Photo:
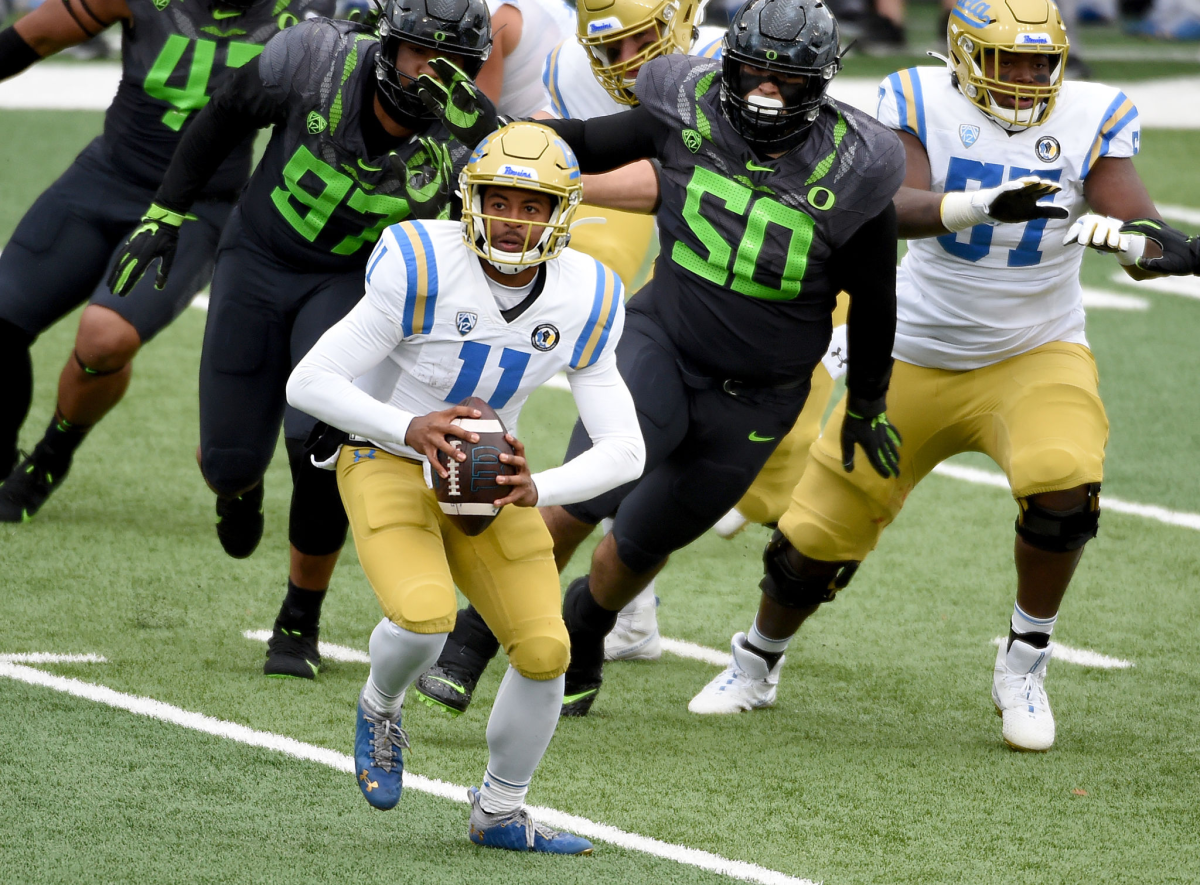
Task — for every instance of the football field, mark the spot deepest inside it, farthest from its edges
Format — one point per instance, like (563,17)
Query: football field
(139,741)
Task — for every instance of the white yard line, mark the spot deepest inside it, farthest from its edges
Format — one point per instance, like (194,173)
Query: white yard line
(1186,287)
(327,649)
(1186,214)
(153,709)
(691,650)
(1080,656)
(44,657)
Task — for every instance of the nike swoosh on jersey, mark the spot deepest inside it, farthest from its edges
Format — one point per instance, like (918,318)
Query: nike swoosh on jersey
(220,14)
(750,164)
(754,437)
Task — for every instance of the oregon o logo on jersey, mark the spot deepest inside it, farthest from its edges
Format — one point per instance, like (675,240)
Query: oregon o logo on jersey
(544,337)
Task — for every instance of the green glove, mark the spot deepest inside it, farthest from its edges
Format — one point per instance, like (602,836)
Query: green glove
(458,103)
(867,425)
(1181,253)
(427,176)
(155,237)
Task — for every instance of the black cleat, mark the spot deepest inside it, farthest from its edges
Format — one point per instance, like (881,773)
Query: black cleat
(291,653)
(578,697)
(240,523)
(28,487)
(445,690)
(587,625)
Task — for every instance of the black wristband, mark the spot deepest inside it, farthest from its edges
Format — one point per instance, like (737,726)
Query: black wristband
(15,54)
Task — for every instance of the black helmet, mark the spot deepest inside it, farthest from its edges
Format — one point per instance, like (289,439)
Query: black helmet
(460,27)
(797,42)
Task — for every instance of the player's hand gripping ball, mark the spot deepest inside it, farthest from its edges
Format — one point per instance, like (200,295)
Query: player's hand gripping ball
(467,495)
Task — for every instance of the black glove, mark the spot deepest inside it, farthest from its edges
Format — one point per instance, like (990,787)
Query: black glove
(1021,204)
(866,424)
(1181,253)
(155,237)
(427,178)
(458,103)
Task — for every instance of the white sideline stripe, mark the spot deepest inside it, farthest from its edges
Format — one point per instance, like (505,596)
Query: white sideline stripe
(1081,656)
(327,649)
(1187,287)
(153,709)
(1149,511)
(1102,299)
(45,657)
(1186,214)
(682,649)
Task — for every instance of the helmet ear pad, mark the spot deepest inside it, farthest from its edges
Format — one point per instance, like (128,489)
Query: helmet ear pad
(794,44)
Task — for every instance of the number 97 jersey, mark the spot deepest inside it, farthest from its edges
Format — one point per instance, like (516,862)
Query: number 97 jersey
(972,298)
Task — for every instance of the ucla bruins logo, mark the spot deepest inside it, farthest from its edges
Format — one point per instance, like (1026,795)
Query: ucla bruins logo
(691,140)
(544,337)
(1047,149)
(316,123)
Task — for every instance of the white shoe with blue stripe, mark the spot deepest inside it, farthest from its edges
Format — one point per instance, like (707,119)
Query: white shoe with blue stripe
(746,684)
(1019,692)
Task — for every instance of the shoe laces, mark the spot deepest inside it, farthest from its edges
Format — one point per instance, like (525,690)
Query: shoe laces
(521,816)
(1030,688)
(387,740)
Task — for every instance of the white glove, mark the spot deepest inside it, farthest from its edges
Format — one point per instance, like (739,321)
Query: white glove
(1104,235)
(1014,201)
(835,360)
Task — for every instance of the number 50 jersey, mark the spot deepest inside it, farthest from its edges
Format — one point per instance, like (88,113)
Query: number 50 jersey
(454,340)
(973,298)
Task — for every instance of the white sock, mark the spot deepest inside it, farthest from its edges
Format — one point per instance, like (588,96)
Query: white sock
(398,657)
(522,722)
(1026,623)
(775,646)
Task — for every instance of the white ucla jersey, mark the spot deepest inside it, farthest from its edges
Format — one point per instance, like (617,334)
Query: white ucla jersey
(574,91)
(522,95)
(972,298)
(455,342)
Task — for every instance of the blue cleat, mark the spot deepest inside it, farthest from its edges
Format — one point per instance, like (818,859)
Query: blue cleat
(378,764)
(516,831)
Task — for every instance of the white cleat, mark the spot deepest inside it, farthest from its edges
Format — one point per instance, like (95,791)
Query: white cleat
(730,524)
(1018,689)
(746,684)
(635,637)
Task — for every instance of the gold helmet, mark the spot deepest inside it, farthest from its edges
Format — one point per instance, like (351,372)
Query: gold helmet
(979,30)
(531,157)
(602,25)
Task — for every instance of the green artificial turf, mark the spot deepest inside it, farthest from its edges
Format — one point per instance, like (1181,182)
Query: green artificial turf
(882,762)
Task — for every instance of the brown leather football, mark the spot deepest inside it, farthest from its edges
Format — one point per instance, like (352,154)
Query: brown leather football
(466,496)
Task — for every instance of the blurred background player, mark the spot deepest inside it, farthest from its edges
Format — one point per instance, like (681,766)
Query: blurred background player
(991,354)
(719,349)
(524,32)
(535,309)
(60,252)
(343,163)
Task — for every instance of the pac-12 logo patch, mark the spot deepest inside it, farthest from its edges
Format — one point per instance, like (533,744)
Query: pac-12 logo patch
(1047,148)
(544,337)
(465,321)
(315,123)
(691,140)
(968,133)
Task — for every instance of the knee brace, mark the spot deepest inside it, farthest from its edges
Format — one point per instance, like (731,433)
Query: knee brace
(783,584)
(1060,531)
(317,521)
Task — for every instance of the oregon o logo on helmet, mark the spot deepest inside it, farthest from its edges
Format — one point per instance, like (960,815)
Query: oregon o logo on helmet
(772,55)
(439,36)
(821,198)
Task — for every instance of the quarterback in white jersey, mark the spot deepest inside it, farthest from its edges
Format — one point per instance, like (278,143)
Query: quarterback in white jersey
(1003,160)
(494,307)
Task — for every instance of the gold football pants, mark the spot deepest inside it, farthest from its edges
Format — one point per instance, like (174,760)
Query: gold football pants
(625,242)
(1037,415)
(413,557)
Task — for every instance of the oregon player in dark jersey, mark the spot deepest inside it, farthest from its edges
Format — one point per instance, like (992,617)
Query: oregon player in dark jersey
(353,151)
(175,53)
(773,197)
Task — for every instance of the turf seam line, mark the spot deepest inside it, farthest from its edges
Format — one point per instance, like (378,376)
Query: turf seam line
(705,860)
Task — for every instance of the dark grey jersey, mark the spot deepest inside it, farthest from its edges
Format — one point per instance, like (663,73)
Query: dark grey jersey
(174,54)
(750,246)
(318,198)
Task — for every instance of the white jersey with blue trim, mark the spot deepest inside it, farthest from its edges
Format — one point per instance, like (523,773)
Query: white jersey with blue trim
(522,95)
(973,298)
(574,91)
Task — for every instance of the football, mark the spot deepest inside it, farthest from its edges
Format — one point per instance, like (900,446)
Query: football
(466,495)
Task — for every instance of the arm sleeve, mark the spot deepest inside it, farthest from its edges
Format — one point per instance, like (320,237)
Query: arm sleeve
(866,268)
(618,453)
(322,384)
(242,104)
(604,143)
(15,54)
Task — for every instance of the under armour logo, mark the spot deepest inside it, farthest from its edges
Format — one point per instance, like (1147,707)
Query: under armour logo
(364,455)
(368,784)
(839,354)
